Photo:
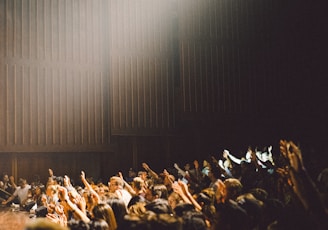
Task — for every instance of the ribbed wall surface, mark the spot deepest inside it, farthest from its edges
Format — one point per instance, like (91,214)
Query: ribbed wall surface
(227,62)
(53,85)
(75,72)
(142,65)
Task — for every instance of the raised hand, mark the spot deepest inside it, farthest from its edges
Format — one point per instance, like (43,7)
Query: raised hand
(295,157)
(145,166)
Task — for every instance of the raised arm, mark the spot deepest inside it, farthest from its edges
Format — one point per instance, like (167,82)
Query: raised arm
(302,184)
(63,195)
(150,171)
(127,186)
(94,194)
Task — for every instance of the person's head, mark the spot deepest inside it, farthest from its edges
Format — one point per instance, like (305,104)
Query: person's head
(138,184)
(22,182)
(214,174)
(105,212)
(233,188)
(132,173)
(38,191)
(137,208)
(193,220)
(5,177)
(119,208)
(159,206)
(115,183)
(230,216)
(165,221)
(77,225)
(156,191)
(99,224)
(143,175)
(253,207)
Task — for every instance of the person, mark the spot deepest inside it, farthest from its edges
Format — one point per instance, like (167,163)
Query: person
(115,185)
(7,184)
(105,212)
(22,192)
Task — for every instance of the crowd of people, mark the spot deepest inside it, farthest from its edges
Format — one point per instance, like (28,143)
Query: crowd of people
(260,190)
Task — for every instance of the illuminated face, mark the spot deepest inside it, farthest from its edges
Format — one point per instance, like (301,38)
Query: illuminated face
(113,185)
(5,178)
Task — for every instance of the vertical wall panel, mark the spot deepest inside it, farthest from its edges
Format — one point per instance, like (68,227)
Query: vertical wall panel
(239,33)
(52,73)
(141,47)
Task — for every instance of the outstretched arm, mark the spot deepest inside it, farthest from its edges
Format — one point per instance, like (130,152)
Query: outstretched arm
(150,171)
(127,186)
(89,187)
(302,184)
(63,195)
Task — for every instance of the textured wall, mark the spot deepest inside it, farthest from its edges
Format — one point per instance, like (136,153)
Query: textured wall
(102,76)
(54,87)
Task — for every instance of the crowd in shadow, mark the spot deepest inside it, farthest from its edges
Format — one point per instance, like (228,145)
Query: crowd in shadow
(261,190)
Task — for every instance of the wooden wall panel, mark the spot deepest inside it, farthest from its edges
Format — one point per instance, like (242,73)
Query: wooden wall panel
(54,83)
(142,73)
(228,55)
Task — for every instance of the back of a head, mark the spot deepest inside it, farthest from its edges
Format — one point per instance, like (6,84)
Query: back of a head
(117,180)
(193,220)
(230,216)
(160,191)
(233,188)
(105,212)
(162,221)
(78,225)
(98,224)
(159,206)
(119,208)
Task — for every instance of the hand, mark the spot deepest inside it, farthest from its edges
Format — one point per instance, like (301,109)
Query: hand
(225,154)
(51,173)
(62,193)
(177,188)
(82,175)
(292,155)
(183,186)
(67,181)
(80,202)
(145,166)
(120,175)
(295,157)
(165,172)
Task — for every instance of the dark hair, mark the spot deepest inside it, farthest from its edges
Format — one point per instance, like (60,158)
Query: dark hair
(59,180)
(119,208)
(105,212)
(159,206)
(78,225)
(98,224)
(160,191)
